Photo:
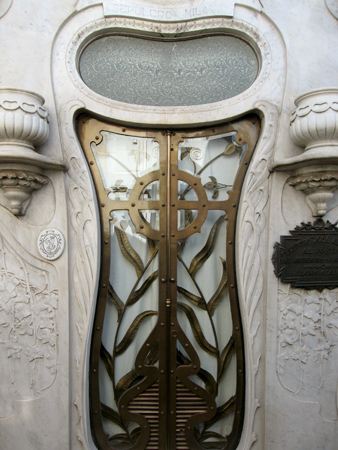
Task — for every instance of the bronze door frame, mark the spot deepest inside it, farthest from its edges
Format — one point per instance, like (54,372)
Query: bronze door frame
(170,377)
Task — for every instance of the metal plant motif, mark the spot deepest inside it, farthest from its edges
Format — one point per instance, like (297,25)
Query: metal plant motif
(170,397)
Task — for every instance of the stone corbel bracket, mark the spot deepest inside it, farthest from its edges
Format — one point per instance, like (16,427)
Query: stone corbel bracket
(24,126)
(314,126)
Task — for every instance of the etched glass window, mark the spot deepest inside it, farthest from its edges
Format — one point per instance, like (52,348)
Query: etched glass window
(168,73)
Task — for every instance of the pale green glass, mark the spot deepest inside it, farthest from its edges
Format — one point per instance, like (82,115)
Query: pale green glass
(168,73)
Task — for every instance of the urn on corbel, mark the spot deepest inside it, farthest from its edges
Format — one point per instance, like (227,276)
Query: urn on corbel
(24,125)
(314,126)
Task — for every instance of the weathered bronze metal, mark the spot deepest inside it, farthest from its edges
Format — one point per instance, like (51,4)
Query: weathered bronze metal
(159,395)
(308,258)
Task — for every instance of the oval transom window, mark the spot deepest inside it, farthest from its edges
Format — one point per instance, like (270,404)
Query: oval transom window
(168,73)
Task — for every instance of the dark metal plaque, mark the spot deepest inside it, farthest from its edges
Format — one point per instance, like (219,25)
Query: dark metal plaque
(308,258)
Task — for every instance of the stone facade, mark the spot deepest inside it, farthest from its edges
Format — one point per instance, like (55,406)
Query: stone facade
(49,230)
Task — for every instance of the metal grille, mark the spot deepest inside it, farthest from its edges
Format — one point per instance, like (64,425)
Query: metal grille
(184,388)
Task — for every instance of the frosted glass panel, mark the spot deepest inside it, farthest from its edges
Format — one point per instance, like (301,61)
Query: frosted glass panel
(158,73)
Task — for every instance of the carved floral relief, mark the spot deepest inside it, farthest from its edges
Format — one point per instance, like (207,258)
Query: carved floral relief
(28,327)
(307,351)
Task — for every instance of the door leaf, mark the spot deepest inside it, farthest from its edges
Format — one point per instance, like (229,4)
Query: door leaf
(196,329)
(129,336)
(136,295)
(213,302)
(128,252)
(125,382)
(225,357)
(207,250)
(112,415)
(197,301)
(108,361)
(153,248)
(221,411)
(117,302)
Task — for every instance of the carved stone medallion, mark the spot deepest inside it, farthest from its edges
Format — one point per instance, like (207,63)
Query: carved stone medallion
(51,244)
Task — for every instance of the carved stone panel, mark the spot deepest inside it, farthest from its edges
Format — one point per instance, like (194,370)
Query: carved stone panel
(28,325)
(307,350)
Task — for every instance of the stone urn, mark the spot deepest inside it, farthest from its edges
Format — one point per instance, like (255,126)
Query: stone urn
(314,124)
(23,119)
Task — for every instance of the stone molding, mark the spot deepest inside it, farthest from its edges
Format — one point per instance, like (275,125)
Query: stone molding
(24,125)
(73,97)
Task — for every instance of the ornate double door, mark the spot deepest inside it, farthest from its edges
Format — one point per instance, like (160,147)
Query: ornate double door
(167,354)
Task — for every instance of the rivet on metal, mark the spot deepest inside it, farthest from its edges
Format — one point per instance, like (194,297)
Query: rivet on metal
(123,129)
(140,367)
(171,412)
(97,138)
(237,328)
(106,242)
(163,173)
(98,328)
(196,388)
(173,235)
(186,345)
(133,204)
(141,183)
(162,371)
(163,204)
(204,205)
(103,205)
(104,285)
(163,280)
(172,280)
(95,411)
(148,345)
(94,370)
(173,205)
(91,163)
(230,242)
(171,371)
(162,324)
(174,174)
(234,205)
(141,226)
(232,285)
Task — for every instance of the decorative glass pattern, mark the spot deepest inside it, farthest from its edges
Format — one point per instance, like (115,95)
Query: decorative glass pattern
(168,73)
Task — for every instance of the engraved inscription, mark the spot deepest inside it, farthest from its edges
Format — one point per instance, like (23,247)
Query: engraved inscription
(124,9)
(309,257)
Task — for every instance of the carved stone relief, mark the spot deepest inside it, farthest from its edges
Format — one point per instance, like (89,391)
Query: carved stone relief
(28,324)
(307,350)
(251,228)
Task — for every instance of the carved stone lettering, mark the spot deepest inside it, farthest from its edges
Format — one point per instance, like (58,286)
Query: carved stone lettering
(124,9)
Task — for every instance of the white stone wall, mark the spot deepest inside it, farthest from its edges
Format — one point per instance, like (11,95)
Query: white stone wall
(46,306)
